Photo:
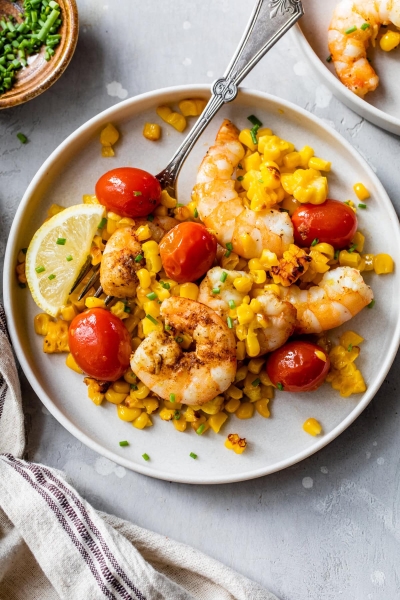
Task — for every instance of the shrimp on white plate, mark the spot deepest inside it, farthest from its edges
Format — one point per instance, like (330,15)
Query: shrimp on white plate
(340,295)
(221,208)
(356,23)
(196,376)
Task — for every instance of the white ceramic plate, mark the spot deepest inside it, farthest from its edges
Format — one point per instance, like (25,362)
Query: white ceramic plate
(381,107)
(274,443)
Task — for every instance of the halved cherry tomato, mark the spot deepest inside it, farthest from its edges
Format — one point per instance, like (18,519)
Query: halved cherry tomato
(187,252)
(100,344)
(129,192)
(298,366)
(332,222)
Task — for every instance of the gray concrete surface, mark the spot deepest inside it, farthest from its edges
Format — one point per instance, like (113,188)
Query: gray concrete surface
(325,529)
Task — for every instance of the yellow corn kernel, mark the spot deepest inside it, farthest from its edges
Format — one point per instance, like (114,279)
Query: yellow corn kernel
(312,427)
(152,131)
(89,199)
(160,211)
(192,107)
(142,421)
(167,200)
(358,241)
(247,140)
(274,288)
(144,278)
(142,392)
(241,373)
(114,397)
(265,380)
(262,407)
(151,307)
(181,423)
(243,284)
(292,160)
(252,344)
(259,276)
(252,162)
(361,191)
(109,135)
(71,363)
(125,413)
(95,396)
(268,259)
(235,443)
(107,151)
(121,387)
(267,392)
(111,226)
(245,314)
(54,210)
(390,40)
(232,405)
(240,350)
(143,233)
(326,249)
(230,262)
(306,185)
(189,290)
(343,357)
(321,355)
(92,302)
(319,164)
(306,154)
(255,365)
(119,310)
(164,112)
(125,222)
(151,247)
(130,377)
(383,263)
(350,338)
(41,323)
(177,121)
(213,406)
(151,405)
(166,414)
(56,339)
(368,262)
(135,342)
(254,264)
(216,421)
(148,326)
(245,410)
(349,259)
(234,392)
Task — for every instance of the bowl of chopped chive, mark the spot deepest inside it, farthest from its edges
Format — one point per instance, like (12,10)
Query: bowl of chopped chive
(37,41)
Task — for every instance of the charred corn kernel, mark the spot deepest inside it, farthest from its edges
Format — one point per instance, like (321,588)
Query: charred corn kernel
(252,344)
(125,413)
(56,339)
(349,259)
(243,284)
(142,421)
(144,278)
(350,338)
(383,263)
(72,364)
(181,423)
(246,139)
(114,397)
(265,380)
(306,154)
(89,199)
(240,350)
(358,241)
(245,410)
(234,392)
(361,191)
(213,406)
(107,151)
(121,387)
(312,427)
(130,377)
(255,365)
(216,421)
(167,200)
(152,131)
(54,210)
(143,233)
(321,355)
(319,164)
(151,405)
(369,262)
(189,290)
(235,443)
(232,405)
(262,407)
(109,135)
(390,40)
(166,415)
(252,162)
(118,309)
(245,314)
(41,323)
(259,276)
(92,302)
(192,107)
(135,342)
(241,373)
(326,249)
(292,160)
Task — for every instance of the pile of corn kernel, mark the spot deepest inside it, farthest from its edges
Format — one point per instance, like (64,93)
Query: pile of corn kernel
(191,107)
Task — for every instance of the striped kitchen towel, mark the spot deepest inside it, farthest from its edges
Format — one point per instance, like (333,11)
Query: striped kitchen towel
(54,545)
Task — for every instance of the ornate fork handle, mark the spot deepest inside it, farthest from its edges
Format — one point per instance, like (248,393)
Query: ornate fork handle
(270,20)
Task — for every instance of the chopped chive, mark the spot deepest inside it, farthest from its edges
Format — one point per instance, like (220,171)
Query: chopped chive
(230,323)
(371,304)
(61,241)
(229,246)
(351,30)
(179,340)
(253,133)
(329,59)
(314,242)
(224,277)
(260,180)
(102,223)
(134,387)
(179,205)
(69,258)
(124,443)
(254,120)
(336,255)
(127,309)
(22,285)
(196,213)
(256,382)
(362,206)
(145,456)
(365,26)
(240,178)
(349,347)
(40,269)
(52,276)
(165,285)
(167,327)
(215,290)
(152,319)
(177,415)
(151,296)
(50,21)
(22,138)
(193,455)
(352,248)
(139,258)
(228,253)
(150,218)
(232,304)
(200,429)
(172,397)
(279,386)
(137,193)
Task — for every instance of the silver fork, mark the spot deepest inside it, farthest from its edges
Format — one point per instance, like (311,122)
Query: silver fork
(270,20)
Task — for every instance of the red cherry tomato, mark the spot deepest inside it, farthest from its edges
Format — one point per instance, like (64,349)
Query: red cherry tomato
(297,368)
(187,252)
(129,192)
(332,222)
(100,344)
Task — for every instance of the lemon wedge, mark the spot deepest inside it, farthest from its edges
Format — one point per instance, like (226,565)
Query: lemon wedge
(57,253)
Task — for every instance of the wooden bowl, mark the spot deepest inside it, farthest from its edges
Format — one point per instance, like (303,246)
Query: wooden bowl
(39,75)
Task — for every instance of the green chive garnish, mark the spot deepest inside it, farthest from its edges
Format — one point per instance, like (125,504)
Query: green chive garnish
(150,218)
(102,223)
(139,258)
(315,242)
(256,382)
(177,415)
(193,455)
(152,319)
(196,213)
(254,120)
(124,443)
(167,327)
(215,290)
(224,277)
(40,269)
(61,241)
(351,30)
(52,276)
(69,258)
(232,304)
(362,206)
(230,323)
(137,193)
(200,429)
(165,285)
(179,340)
(349,347)
(336,255)
(253,133)
(172,397)
(329,59)
(179,205)
(279,386)
(22,138)
(365,26)
(261,181)
(371,304)
(151,296)
(352,248)
(145,456)
(229,246)
(240,178)
(127,309)
(134,387)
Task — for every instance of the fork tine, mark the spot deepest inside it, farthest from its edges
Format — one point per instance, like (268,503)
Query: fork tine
(85,270)
(108,300)
(99,292)
(91,282)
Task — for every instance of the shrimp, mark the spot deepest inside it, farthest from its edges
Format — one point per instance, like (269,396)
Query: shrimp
(221,208)
(354,24)
(118,266)
(196,376)
(341,294)
(275,318)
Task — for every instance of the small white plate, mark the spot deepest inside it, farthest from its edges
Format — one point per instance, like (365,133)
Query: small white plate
(275,443)
(381,107)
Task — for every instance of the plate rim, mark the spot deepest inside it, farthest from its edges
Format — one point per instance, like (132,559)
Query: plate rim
(358,105)
(9,285)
